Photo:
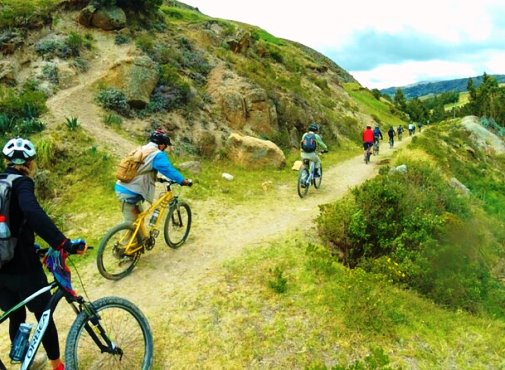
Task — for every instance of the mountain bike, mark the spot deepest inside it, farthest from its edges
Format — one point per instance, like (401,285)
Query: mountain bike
(121,247)
(307,176)
(391,142)
(368,154)
(109,333)
(376,147)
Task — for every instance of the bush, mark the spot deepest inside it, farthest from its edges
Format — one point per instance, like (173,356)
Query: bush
(115,100)
(20,110)
(413,229)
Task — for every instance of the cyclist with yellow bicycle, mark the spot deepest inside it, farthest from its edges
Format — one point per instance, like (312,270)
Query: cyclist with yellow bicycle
(143,186)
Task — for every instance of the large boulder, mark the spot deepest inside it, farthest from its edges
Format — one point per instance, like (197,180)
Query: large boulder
(108,19)
(251,152)
(136,77)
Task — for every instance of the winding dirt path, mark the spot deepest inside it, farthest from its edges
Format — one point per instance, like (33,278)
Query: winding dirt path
(220,231)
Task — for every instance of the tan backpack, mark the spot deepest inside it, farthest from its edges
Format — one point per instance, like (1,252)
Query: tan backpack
(128,166)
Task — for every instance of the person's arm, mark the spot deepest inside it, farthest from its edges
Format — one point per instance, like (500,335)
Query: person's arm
(320,142)
(36,217)
(162,164)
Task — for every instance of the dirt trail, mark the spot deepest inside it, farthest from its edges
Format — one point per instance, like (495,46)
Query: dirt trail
(223,231)
(220,231)
(78,101)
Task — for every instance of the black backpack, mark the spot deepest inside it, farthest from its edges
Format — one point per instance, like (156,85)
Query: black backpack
(309,143)
(7,242)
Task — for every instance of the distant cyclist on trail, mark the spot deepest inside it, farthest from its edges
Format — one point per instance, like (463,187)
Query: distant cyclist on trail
(399,130)
(377,134)
(311,141)
(143,186)
(368,139)
(391,134)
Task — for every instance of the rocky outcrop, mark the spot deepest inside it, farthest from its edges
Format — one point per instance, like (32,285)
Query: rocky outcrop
(251,152)
(245,107)
(8,72)
(136,77)
(240,43)
(108,19)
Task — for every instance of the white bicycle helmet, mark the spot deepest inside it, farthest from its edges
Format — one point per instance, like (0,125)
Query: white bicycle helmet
(19,150)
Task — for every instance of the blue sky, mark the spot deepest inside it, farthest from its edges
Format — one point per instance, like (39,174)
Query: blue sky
(385,43)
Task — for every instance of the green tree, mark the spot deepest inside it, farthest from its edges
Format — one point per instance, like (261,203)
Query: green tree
(400,100)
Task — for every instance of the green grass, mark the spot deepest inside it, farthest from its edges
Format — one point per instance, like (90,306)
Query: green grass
(265,36)
(15,13)
(248,184)
(369,105)
(324,316)
(183,15)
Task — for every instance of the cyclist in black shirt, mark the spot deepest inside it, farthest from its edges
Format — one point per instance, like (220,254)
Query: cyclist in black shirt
(24,275)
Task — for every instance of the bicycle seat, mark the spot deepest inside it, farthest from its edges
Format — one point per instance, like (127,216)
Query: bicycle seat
(306,161)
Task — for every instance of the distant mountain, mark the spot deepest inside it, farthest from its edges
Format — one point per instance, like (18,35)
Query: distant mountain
(438,87)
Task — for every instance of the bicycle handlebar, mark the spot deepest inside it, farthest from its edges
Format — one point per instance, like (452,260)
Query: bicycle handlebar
(171,182)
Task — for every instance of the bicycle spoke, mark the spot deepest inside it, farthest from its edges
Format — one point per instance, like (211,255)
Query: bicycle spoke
(128,333)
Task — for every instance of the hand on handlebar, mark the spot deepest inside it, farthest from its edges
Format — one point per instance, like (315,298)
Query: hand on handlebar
(187,182)
(76,246)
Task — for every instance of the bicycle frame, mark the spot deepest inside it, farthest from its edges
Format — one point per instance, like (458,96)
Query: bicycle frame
(162,203)
(78,304)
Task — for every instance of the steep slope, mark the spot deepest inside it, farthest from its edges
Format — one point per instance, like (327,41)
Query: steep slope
(79,101)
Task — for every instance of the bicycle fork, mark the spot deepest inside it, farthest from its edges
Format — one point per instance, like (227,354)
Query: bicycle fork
(96,330)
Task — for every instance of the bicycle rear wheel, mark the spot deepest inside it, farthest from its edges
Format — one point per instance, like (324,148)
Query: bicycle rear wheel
(177,225)
(317,180)
(112,262)
(120,322)
(303,185)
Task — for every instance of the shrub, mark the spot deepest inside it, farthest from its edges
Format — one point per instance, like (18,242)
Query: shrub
(72,123)
(50,73)
(414,229)
(112,119)
(115,100)
(121,39)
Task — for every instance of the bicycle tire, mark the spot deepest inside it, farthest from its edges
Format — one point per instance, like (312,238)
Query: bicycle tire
(177,225)
(124,324)
(376,149)
(107,260)
(318,180)
(302,184)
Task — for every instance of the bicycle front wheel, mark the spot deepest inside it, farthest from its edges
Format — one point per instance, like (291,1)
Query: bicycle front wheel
(177,225)
(317,180)
(112,261)
(120,323)
(303,184)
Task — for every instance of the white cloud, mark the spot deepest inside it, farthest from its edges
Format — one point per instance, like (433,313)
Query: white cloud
(468,26)
(410,72)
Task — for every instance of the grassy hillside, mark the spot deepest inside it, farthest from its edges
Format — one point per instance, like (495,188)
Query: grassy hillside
(289,303)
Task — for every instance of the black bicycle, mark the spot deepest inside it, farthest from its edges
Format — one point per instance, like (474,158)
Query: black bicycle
(109,333)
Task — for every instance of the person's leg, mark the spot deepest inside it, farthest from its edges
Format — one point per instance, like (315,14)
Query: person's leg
(50,341)
(15,319)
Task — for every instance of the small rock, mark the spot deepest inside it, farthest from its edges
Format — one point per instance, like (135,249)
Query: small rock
(227,176)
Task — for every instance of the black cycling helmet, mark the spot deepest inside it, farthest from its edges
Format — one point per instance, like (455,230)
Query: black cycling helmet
(313,127)
(19,150)
(160,137)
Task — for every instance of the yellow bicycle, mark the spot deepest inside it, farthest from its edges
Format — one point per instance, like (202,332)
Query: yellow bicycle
(120,249)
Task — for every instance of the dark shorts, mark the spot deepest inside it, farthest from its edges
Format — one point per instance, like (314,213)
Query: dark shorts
(15,288)
(367,144)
